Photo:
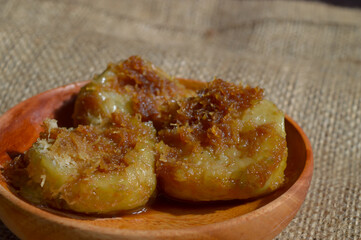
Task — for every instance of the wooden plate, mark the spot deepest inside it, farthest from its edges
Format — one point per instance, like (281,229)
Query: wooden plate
(261,218)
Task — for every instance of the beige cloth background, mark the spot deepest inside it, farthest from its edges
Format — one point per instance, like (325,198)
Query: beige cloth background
(307,55)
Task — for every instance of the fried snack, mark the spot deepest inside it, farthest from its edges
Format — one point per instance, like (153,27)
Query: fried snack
(226,143)
(133,86)
(136,127)
(92,169)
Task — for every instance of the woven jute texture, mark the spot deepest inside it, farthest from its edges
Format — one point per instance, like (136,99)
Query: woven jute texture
(306,55)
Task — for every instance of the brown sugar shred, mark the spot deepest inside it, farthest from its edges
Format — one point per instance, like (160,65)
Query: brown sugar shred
(205,119)
(151,90)
(109,144)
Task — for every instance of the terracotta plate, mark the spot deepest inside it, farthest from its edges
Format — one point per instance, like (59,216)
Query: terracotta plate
(261,218)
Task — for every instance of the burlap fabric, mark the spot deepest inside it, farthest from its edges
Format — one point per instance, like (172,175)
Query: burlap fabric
(307,55)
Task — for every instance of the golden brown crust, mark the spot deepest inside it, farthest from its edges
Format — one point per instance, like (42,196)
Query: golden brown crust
(215,150)
(145,89)
(90,169)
